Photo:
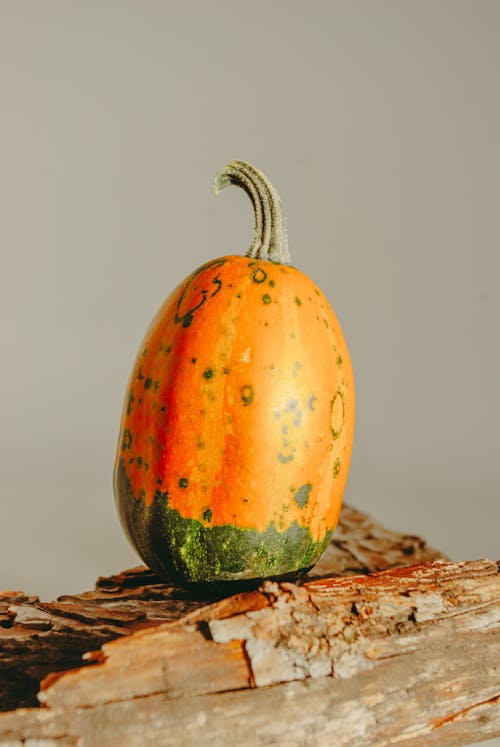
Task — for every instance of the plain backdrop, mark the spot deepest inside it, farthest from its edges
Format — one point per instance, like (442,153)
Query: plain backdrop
(379,124)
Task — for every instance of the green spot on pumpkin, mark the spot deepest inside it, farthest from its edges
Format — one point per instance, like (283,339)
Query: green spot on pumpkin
(271,283)
(301,496)
(258,275)
(336,468)
(207,515)
(266,298)
(337,422)
(247,394)
(339,360)
(208,373)
(148,383)
(298,301)
(183,482)
(127,439)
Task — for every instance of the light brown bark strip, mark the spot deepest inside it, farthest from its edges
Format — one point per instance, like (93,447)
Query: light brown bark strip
(37,638)
(334,626)
(406,656)
(407,700)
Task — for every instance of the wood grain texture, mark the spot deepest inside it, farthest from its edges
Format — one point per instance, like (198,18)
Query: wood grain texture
(387,654)
(37,638)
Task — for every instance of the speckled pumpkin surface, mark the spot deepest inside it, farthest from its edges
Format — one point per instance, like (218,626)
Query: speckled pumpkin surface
(237,427)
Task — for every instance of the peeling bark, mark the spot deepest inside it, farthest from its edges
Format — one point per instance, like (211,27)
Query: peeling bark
(37,638)
(406,655)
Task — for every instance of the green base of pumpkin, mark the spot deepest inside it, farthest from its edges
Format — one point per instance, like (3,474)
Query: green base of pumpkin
(188,552)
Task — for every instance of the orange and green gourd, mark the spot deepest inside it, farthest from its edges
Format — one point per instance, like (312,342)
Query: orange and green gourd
(238,421)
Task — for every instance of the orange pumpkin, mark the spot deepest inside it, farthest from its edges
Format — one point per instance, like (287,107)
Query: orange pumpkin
(238,421)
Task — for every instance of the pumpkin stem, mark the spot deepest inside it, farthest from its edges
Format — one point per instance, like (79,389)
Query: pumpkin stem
(271,237)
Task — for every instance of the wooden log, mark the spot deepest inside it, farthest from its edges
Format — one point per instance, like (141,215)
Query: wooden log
(37,638)
(408,655)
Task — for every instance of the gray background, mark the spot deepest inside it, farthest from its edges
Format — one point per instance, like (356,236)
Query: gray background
(379,124)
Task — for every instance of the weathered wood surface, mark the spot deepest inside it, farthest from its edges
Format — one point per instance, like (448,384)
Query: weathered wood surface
(38,637)
(409,655)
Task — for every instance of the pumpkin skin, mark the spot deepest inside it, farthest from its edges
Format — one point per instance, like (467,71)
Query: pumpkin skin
(237,427)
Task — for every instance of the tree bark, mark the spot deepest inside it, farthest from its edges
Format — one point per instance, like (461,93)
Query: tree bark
(368,650)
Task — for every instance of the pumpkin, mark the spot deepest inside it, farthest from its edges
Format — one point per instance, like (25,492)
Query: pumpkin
(237,427)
